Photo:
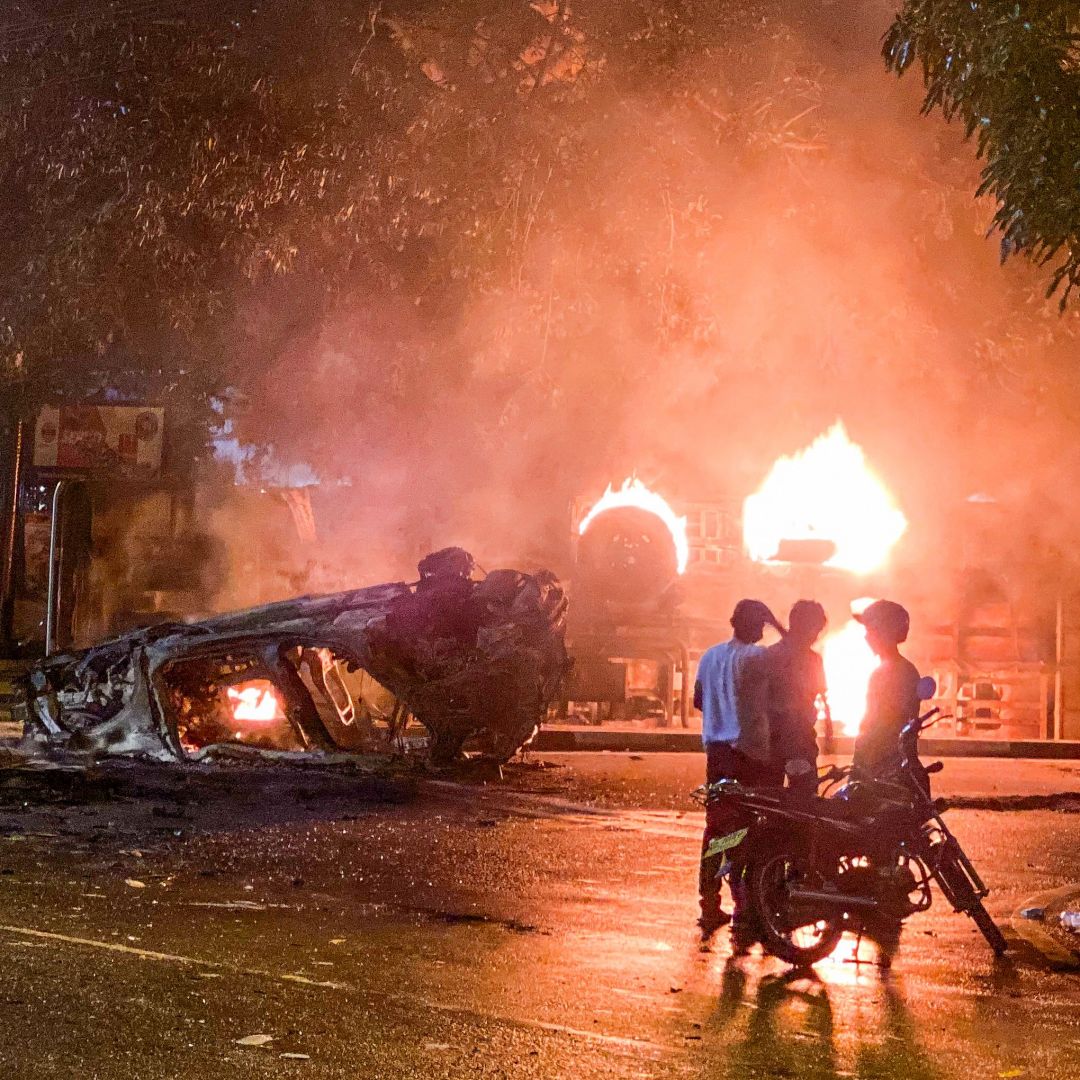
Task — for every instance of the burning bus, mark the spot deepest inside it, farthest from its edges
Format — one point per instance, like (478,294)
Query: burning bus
(655,581)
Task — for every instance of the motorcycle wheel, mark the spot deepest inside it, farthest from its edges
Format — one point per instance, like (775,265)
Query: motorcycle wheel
(956,886)
(994,937)
(799,939)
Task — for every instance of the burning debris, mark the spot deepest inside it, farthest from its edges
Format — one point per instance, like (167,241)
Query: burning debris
(632,546)
(826,505)
(634,495)
(849,663)
(823,504)
(467,659)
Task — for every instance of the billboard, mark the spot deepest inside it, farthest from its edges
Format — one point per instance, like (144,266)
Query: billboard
(122,439)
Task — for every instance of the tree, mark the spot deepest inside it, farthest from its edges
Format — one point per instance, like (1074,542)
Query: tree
(196,187)
(496,245)
(1010,73)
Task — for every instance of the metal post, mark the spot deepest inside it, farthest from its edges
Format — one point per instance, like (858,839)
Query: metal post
(669,691)
(687,686)
(1059,656)
(11,532)
(56,554)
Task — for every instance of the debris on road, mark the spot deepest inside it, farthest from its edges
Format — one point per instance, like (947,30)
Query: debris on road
(255,1040)
(320,677)
(1036,913)
(1070,920)
(1049,935)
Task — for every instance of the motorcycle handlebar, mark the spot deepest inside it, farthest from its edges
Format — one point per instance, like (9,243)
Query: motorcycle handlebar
(916,724)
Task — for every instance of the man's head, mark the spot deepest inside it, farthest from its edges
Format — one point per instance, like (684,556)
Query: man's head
(806,621)
(887,625)
(749,619)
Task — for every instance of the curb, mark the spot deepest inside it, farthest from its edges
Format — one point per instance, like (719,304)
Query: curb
(557,739)
(1038,937)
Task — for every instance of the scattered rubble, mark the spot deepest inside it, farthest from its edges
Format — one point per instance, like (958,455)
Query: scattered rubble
(319,677)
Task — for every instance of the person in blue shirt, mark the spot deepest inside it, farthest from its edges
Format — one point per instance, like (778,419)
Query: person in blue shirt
(731,692)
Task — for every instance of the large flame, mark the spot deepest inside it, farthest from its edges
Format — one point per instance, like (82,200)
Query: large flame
(255,702)
(635,494)
(849,663)
(826,492)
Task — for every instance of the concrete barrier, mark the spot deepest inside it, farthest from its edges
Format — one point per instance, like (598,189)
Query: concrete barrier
(564,738)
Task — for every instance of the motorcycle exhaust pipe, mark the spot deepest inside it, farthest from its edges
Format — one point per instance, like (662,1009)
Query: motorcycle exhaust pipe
(837,899)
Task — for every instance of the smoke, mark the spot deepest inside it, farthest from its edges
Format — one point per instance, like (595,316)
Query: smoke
(696,268)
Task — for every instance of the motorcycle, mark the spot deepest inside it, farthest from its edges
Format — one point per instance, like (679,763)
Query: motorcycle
(856,858)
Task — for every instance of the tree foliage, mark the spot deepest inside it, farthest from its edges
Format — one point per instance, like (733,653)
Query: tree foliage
(200,182)
(463,234)
(158,156)
(1008,71)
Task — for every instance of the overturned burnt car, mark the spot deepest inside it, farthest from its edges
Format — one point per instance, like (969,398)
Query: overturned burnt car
(475,662)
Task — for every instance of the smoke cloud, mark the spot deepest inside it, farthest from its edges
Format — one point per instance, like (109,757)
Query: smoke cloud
(702,268)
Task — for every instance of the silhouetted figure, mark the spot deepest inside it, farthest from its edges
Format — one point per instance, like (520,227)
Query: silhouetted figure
(892,696)
(796,686)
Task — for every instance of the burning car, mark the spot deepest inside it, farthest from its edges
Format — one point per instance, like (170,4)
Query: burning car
(474,661)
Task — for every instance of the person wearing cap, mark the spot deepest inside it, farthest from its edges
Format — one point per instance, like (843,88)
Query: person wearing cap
(796,688)
(892,697)
(730,692)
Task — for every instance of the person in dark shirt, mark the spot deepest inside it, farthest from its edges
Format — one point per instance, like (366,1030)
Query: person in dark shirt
(796,691)
(892,697)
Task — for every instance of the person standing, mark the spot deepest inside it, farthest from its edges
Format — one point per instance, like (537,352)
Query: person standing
(892,697)
(795,692)
(730,692)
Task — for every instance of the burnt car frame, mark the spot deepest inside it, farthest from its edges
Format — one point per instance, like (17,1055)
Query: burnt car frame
(474,661)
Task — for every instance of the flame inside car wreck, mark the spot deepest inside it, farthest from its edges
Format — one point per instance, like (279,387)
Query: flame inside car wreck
(475,662)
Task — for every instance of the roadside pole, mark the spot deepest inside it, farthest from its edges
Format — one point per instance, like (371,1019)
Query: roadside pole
(13,461)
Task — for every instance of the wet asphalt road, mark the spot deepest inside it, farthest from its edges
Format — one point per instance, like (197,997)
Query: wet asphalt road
(537,927)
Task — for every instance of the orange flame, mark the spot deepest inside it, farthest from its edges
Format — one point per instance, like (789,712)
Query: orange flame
(849,663)
(255,702)
(635,494)
(826,492)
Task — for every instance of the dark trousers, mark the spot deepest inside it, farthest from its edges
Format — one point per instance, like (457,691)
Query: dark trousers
(724,762)
(794,740)
(805,785)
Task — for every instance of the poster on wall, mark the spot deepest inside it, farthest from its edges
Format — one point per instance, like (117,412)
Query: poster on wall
(36,528)
(120,439)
